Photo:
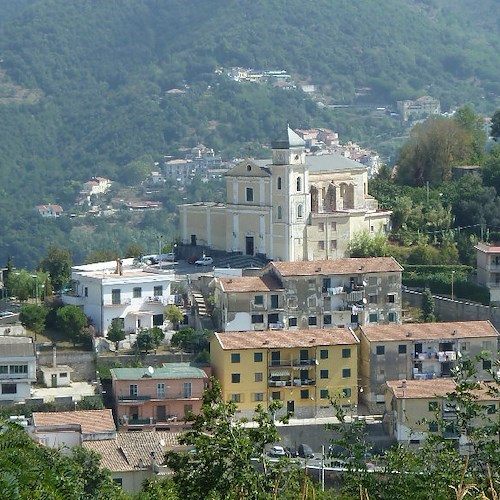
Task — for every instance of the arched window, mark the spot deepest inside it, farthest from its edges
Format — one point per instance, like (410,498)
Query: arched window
(299,184)
(279,215)
(279,183)
(299,211)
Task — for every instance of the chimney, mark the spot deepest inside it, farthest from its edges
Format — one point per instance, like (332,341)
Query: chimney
(54,357)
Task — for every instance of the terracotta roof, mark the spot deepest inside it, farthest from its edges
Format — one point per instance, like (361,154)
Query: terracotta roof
(428,331)
(280,339)
(132,450)
(437,387)
(487,248)
(91,421)
(337,266)
(250,284)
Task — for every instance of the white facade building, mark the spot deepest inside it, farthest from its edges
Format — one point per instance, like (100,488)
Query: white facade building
(124,289)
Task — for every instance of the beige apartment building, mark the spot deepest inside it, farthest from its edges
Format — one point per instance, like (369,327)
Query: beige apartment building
(312,294)
(420,351)
(488,269)
(291,208)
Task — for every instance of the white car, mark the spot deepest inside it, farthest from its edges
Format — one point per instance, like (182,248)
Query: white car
(205,261)
(277,451)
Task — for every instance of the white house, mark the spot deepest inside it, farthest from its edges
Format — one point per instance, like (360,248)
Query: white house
(17,369)
(125,289)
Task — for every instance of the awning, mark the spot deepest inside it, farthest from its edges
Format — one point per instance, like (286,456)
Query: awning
(279,373)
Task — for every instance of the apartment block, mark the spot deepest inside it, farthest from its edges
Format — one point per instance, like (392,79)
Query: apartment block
(302,369)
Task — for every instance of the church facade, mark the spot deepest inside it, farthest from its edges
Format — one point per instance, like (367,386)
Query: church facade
(292,208)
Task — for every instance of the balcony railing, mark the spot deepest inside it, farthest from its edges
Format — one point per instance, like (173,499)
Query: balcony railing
(441,356)
(161,396)
(141,421)
(136,397)
(292,362)
(291,383)
(121,302)
(276,326)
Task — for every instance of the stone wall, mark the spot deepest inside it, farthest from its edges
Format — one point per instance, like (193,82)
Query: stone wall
(83,362)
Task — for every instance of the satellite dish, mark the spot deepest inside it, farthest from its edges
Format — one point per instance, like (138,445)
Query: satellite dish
(151,370)
(162,442)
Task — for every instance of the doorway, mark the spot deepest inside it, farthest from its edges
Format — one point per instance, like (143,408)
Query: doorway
(161,413)
(290,406)
(193,240)
(249,245)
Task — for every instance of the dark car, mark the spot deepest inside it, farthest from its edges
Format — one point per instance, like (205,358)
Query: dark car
(291,451)
(305,451)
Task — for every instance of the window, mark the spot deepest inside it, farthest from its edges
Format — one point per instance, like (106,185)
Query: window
(311,302)
(258,300)
(334,226)
(327,319)
(346,373)
(391,298)
(304,394)
(257,357)
(433,405)
(160,390)
(321,227)
(311,284)
(323,374)
(275,358)
(14,369)
(323,354)
(391,317)
(346,352)
(402,349)
(491,409)
(333,244)
(433,427)
(279,183)
(258,396)
(4,369)
(279,213)
(347,392)
(258,377)
(236,398)
(137,292)
(380,350)
(118,481)
(235,378)
(299,211)
(235,357)
(372,281)
(323,394)
(299,184)
(276,395)
(292,321)
(373,317)
(116,296)
(372,299)
(249,194)
(312,321)
(157,319)
(274,301)
(486,364)
(132,390)
(321,245)
(257,318)
(9,388)
(187,389)
(158,291)
(86,291)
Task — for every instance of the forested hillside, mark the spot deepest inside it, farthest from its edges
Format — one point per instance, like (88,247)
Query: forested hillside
(83,85)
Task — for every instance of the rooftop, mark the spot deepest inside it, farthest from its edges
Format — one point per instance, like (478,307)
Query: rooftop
(17,349)
(169,371)
(282,339)
(133,450)
(250,284)
(422,389)
(429,331)
(337,266)
(91,421)
(482,247)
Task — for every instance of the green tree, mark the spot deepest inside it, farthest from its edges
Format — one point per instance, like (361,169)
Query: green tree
(474,125)
(21,284)
(491,169)
(363,244)
(495,125)
(428,314)
(32,317)
(71,320)
(149,338)
(116,333)
(191,339)
(174,315)
(134,250)
(57,263)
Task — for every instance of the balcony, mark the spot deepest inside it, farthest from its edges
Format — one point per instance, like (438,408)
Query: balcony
(160,397)
(133,398)
(291,383)
(355,296)
(293,363)
(141,421)
(276,326)
(156,300)
(442,356)
(113,303)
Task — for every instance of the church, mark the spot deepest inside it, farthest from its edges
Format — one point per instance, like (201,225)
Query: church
(294,207)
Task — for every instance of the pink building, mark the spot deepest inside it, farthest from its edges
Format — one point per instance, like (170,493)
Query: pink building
(157,397)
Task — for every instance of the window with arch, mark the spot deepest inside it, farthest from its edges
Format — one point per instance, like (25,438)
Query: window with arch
(299,211)
(279,215)
(279,183)
(299,183)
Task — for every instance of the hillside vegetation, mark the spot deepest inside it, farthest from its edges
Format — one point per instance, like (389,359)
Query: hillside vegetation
(84,83)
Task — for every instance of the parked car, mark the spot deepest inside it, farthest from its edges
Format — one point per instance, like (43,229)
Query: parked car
(291,451)
(277,451)
(168,257)
(205,261)
(305,451)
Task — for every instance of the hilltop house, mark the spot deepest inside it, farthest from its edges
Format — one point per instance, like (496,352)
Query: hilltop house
(49,210)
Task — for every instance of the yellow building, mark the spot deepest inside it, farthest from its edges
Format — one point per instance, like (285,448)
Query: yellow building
(303,369)
(417,408)
(292,208)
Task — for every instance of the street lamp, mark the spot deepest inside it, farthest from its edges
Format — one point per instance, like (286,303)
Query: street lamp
(452,277)
(36,287)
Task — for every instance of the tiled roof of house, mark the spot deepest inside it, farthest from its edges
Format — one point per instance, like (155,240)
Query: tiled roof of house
(168,371)
(487,248)
(337,266)
(17,349)
(437,387)
(91,421)
(250,284)
(429,331)
(280,339)
(132,450)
